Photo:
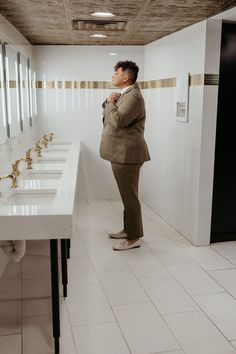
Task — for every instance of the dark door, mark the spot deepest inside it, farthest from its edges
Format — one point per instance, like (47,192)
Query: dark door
(223,226)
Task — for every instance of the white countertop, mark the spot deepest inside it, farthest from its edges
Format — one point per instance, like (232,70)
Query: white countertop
(47,211)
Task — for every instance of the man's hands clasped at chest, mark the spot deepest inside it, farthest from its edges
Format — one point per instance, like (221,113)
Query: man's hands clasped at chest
(113,97)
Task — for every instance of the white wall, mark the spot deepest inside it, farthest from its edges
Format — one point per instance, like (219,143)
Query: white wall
(171,181)
(77,114)
(177,183)
(13,148)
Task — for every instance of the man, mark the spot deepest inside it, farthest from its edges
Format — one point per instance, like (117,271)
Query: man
(124,146)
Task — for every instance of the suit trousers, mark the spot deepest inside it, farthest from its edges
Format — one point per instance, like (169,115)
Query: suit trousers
(127,179)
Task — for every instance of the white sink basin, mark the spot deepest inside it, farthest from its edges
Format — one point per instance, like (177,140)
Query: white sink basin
(61,143)
(56,150)
(31,197)
(43,175)
(51,159)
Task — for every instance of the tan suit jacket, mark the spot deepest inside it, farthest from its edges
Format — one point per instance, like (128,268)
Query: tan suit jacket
(123,133)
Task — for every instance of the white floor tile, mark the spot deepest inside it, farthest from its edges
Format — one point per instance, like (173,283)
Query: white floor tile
(77,248)
(169,254)
(121,287)
(38,247)
(102,209)
(172,352)
(10,344)
(194,280)
(144,329)
(226,278)
(13,270)
(87,304)
(89,226)
(208,258)
(226,249)
(36,307)
(35,267)
(10,285)
(95,241)
(221,309)
(36,288)
(81,271)
(100,339)
(118,206)
(143,263)
(167,295)
(12,296)
(105,259)
(10,317)
(112,224)
(197,334)
(38,339)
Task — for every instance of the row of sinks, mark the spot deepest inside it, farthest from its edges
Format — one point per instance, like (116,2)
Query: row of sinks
(48,167)
(44,199)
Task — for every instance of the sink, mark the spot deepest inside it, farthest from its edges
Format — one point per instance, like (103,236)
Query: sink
(51,159)
(61,143)
(31,197)
(56,149)
(43,175)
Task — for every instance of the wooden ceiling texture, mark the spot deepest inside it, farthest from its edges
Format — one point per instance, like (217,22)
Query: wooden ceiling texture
(137,22)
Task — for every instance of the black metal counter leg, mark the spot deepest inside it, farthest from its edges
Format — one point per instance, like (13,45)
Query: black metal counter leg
(55,294)
(64,266)
(68,247)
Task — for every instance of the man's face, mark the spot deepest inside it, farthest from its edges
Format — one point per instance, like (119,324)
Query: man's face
(120,78)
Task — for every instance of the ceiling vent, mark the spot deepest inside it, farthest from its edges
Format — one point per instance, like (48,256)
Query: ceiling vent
(98,25)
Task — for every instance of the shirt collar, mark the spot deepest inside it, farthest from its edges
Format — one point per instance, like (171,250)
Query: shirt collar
(125,89)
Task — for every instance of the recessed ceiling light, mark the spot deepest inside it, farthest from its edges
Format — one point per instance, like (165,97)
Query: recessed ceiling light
(97,35)
(113,54)
(103,14)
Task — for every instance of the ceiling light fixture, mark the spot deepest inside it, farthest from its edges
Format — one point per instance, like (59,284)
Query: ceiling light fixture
(103,14)
(113,54)
(97,35)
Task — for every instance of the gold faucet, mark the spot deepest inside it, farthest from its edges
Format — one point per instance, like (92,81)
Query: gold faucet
(28,159)
(38,148)
(45,140)
(13,175)
(15,168)
(13,178)
(51,136)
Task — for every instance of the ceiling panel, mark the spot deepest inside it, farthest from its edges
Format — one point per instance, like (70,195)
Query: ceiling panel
(52,22)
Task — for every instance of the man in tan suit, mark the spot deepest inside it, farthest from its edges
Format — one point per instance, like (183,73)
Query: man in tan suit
(124,146)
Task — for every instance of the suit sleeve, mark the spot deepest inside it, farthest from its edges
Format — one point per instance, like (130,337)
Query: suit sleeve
(121,116)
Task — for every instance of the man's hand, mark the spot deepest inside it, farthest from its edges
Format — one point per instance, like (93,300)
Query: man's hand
(114,96)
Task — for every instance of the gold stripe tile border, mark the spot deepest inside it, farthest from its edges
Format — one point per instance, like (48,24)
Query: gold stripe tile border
(12,83)
(211,79)
(74,84)
(195,80)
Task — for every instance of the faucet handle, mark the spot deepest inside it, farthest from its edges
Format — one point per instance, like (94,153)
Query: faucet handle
(15,168)
(38,148)
(28,159)
(44,141)
(28,153)
(51,136)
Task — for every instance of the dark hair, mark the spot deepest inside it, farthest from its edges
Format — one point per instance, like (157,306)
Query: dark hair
(130,66)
